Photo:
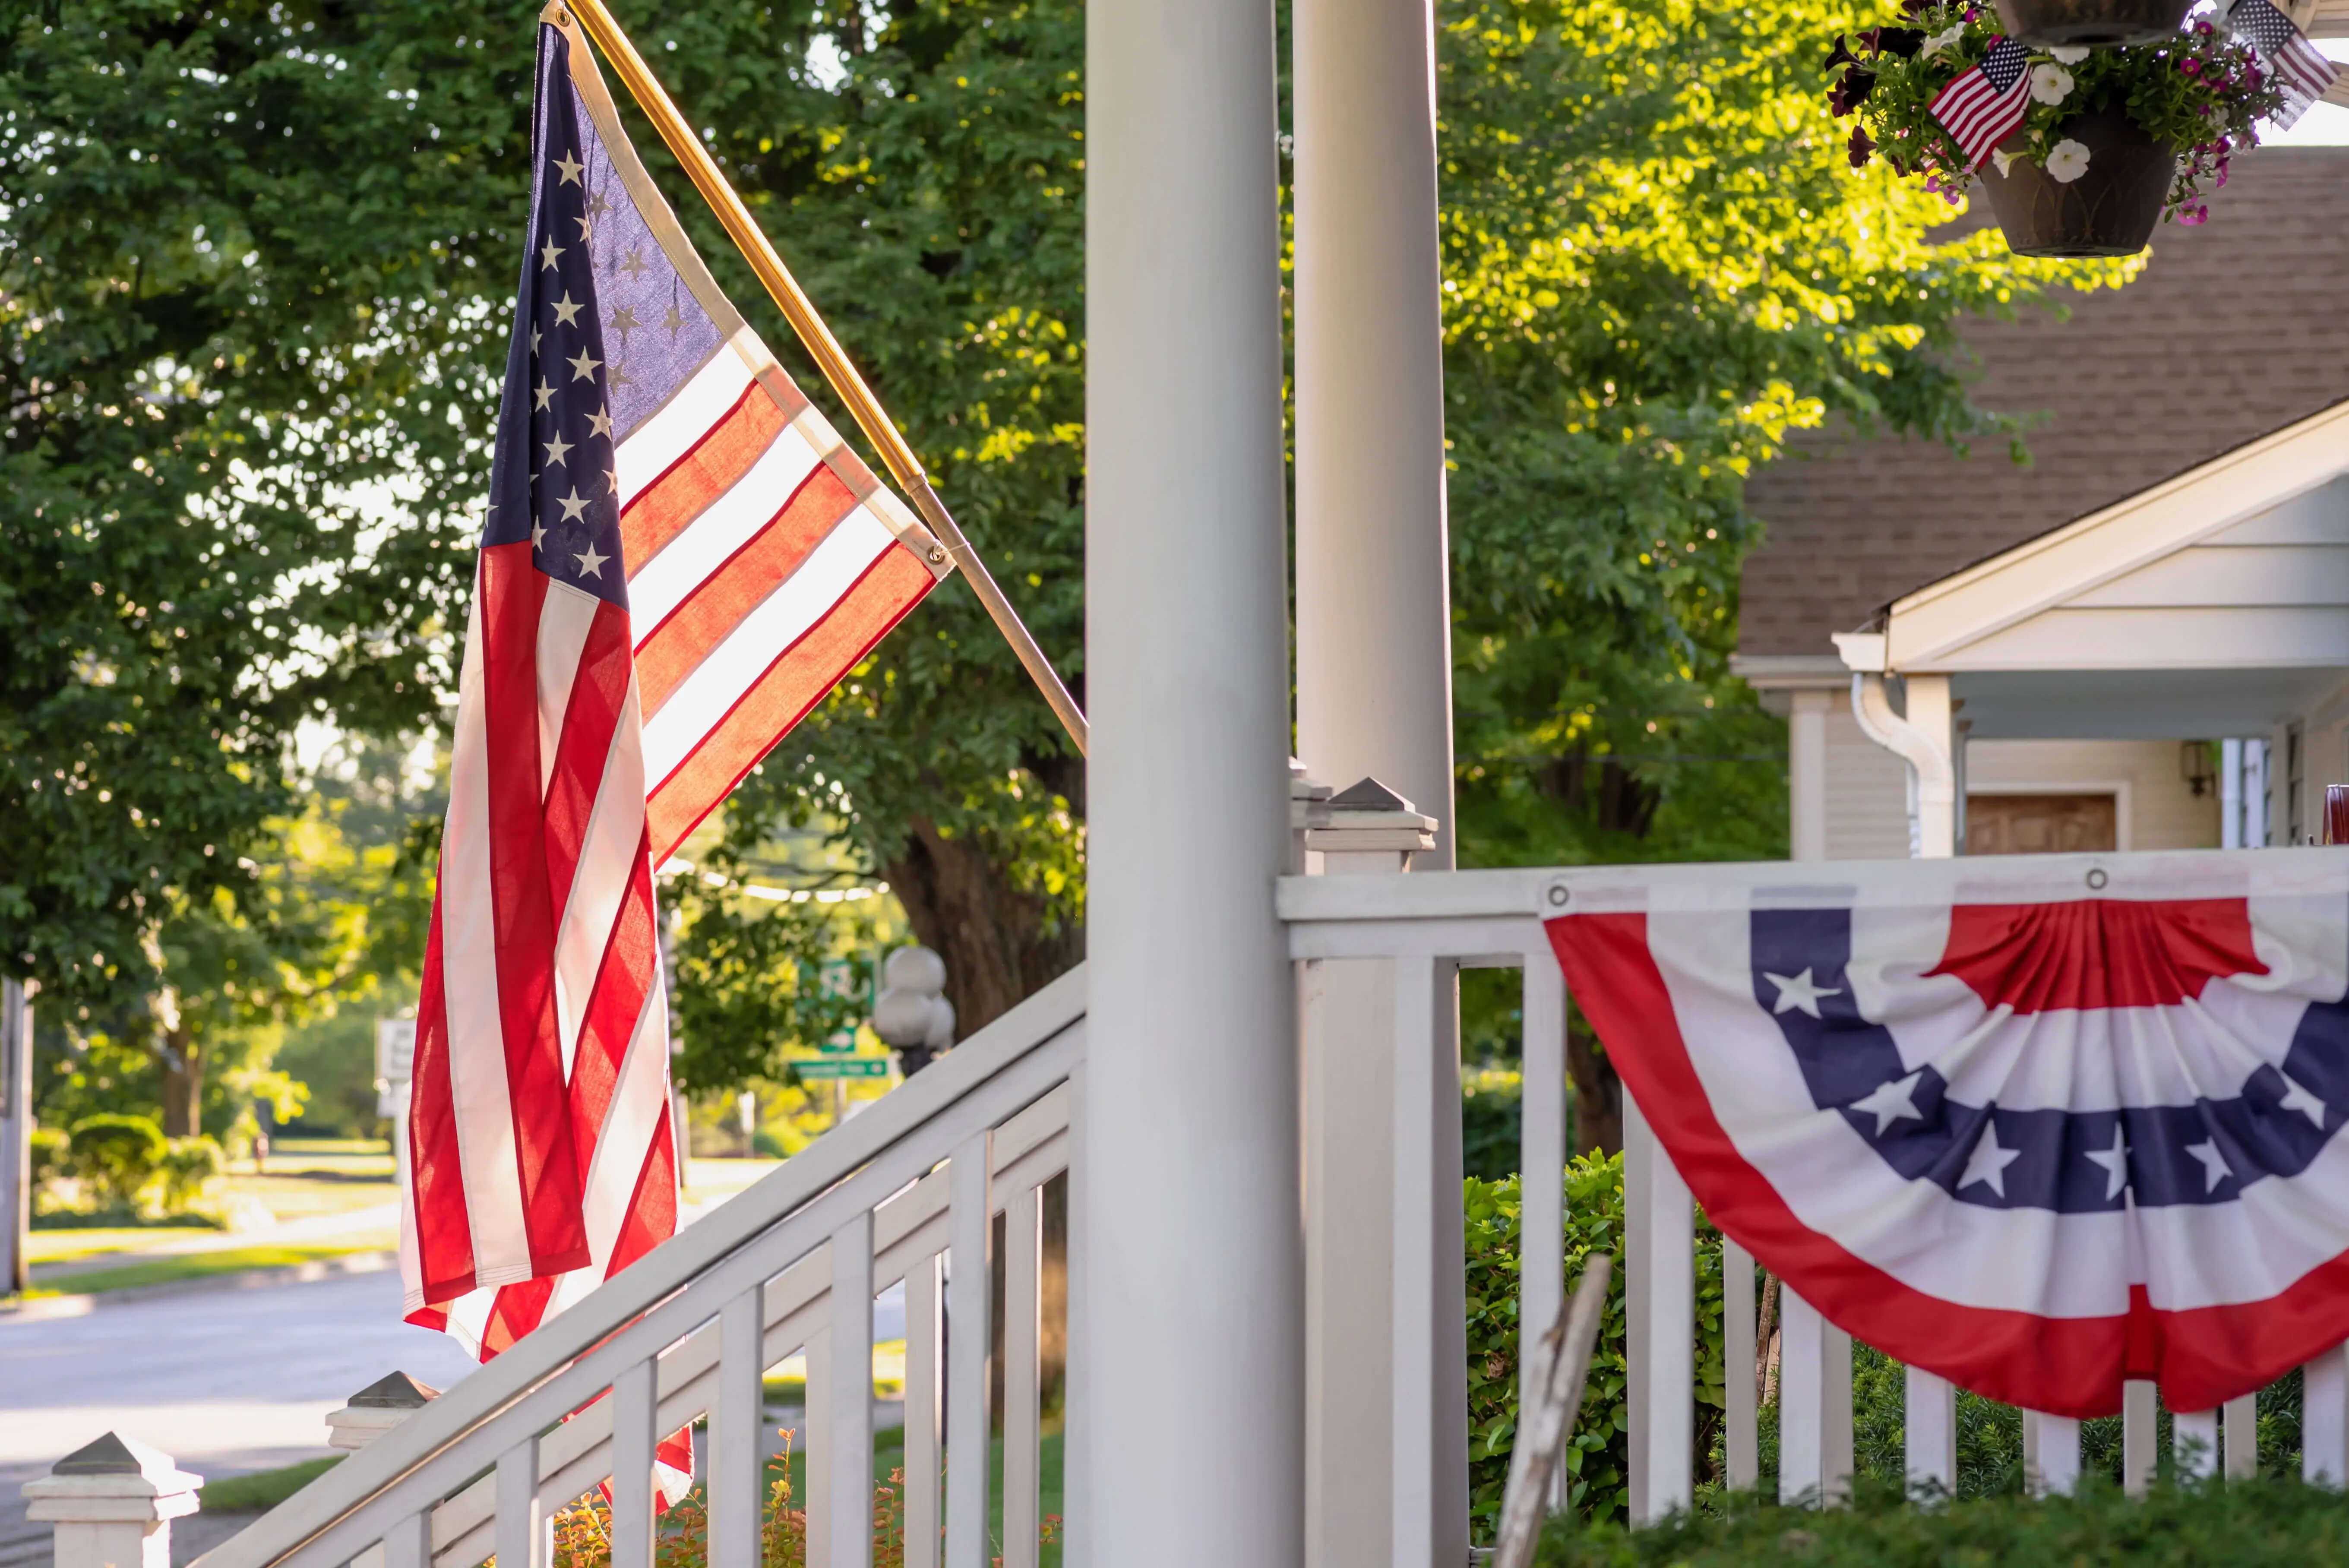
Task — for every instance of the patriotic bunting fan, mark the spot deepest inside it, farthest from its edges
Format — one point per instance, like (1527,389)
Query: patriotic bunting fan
(2035,1125)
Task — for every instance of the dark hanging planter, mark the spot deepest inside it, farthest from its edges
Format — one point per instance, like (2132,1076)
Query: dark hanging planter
(2109,211)
(2095,24)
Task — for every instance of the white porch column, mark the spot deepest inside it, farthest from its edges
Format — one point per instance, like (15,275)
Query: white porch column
(1193,1248)
(1807,774)
(1373,597)
(15,1136)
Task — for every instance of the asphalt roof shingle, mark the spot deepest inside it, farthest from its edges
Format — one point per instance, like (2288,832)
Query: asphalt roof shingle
(2232,330)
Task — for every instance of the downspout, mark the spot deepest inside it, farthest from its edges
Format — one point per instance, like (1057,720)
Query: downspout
(1932,779)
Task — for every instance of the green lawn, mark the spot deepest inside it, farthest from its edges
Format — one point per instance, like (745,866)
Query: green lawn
(71,1246)
(264,1489)
(172,1269)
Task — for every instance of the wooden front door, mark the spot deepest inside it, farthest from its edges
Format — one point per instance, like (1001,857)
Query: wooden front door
(2040,824)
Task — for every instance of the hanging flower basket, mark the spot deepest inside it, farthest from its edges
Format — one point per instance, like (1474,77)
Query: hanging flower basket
(2082,150)
(2091,23)
(2108,208)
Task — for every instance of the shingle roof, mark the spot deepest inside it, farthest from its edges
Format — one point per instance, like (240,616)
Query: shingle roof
(2233,330)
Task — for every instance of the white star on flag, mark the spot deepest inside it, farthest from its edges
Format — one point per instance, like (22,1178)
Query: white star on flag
(2215,1168)
(1988,1162)
(555,449)
(583,366)
(572,505)
(1799,991)
(2298,1099)
(590,564)
(2115,1162)
(566,310)
(548,254)
(1892,1100)
(571,166)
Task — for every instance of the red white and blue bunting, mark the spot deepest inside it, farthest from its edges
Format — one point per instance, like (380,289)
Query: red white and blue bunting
(2036,1124)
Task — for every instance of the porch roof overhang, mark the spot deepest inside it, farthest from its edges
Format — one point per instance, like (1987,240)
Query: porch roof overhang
(2216,603)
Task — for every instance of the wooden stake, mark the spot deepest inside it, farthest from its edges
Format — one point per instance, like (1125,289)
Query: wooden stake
(830,358)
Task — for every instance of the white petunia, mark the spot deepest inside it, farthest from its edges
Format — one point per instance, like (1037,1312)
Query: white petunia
(1943,39)
(2066,161)
(2050,84)
(2003,159)
(2069,56)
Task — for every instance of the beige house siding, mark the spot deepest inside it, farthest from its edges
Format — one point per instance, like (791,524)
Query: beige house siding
(2158,809)
(1868,794)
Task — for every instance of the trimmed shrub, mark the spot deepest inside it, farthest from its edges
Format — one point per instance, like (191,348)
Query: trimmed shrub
(118,1156)
(2247,1524)
(188,1166)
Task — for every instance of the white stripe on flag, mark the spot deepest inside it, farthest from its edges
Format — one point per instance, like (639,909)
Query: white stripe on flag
(469,968)
(654,445)
(639,1102)
(615,830)
(662,584)
(563,624)
(731,669)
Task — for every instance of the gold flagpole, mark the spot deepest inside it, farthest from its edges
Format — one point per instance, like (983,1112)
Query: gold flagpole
(830,358)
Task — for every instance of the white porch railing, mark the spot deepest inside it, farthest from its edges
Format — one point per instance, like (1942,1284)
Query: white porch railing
(906,1192)
(1429,927)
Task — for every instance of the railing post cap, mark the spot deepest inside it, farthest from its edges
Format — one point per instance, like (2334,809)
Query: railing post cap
(397,1392)
(108,1473)
(376,1409)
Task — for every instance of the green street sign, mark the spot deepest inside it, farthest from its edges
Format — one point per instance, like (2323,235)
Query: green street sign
(840,1066)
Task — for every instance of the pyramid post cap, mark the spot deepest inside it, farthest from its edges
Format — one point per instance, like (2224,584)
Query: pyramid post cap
(1368,794)
(116,1455)
(397,1392)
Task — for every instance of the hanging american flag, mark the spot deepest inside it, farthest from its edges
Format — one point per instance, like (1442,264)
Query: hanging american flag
(2299,65)
(1983,107)
(681,560)
(2036,1125)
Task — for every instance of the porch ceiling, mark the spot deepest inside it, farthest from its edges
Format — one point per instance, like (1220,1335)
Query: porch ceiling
(2137,705)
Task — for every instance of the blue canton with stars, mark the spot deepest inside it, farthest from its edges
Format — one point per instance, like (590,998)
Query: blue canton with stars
(2069,1161)
(553,480)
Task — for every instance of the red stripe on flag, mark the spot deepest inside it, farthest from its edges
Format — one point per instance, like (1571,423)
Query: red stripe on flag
(513,592)
(652,1207)
(675,647)
(614,1005)
(590,719)
(2099,953)
(795,683)
(710,467)
(514,1312)
(444,1231)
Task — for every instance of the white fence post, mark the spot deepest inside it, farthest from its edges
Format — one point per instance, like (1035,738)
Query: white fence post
(2242,1437)
(1660,1237)
(112,1503)
(1931,1430)
(2194,1434)
(2140,1460)
(2324,1418)
(1814,1405)
(2057,1445)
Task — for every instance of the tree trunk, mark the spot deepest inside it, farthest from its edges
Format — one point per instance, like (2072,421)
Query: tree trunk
(183,1085)
(993,937)
(1598,1092)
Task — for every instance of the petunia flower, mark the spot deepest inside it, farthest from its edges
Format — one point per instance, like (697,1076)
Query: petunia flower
(1852,91)
(2004,159)
(2066,161)
(2068,55)
(1859,147)
(1944,38)
(1841,55)
(2050,84)
(1900,41)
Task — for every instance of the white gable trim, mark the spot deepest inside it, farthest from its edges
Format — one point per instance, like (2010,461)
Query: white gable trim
(1927,627)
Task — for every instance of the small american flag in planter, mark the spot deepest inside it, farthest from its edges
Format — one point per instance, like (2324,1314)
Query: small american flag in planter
(2299,66)
(1983,107)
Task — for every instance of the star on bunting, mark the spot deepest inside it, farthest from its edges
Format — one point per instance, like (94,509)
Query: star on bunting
(2298,1099)
(2215,1168)
(1799,991)
(1988,1162)
(1893,1100)
(2115,1162)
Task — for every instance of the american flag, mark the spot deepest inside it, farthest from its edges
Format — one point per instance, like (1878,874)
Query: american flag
(2304,71)
(680,559)
(1983,107)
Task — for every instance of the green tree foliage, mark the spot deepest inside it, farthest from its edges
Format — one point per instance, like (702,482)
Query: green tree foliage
(1656,264)
(247,255)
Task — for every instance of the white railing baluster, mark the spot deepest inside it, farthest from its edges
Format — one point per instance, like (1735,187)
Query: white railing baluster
(922,1386)
(735,1494)
(815,1435)
(1931,1430)
(1639,1297)
(848,1432)
(1741,1435)
(2141,1455)
(408,1543)
(1802,1376)
(2243,1437)
(2058,1450)
(2194,1435)
(1023,1240)
(525,1527)
(1662,1235)
(633,1440)
(1412,1436)
(1541,1161)
(968,1289)
(2324,1418)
